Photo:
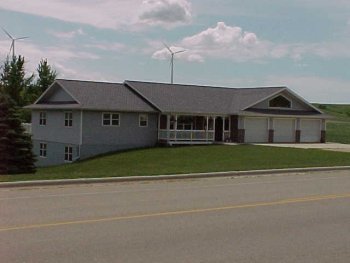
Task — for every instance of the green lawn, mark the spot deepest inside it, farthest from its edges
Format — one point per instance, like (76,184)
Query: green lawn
(338,129)
(189,159)
(338,132)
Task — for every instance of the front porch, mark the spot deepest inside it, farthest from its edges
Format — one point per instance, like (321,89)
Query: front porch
(193,129)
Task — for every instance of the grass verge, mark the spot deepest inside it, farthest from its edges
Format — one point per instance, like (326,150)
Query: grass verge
(191,159)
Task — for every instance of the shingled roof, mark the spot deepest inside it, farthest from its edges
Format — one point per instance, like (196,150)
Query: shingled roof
(99,96)
(138,96)
(200,99)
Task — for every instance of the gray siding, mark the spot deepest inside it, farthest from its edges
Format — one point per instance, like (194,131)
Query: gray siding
(54,130)
(54,153)
(60,95)
(98,139)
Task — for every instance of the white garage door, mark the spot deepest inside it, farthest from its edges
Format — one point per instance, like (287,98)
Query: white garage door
(256,130)
(310,131)
(284,130)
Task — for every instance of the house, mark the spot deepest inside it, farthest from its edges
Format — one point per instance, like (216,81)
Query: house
(79,119)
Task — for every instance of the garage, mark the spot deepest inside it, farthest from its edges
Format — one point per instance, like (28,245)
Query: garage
(284,130)
(256,130)
(310,130)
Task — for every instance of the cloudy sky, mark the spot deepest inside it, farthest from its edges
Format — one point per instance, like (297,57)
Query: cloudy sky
(302,44)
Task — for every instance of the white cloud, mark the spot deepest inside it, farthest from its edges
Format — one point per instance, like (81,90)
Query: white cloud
(166,12)
(232,42)
(223,41)
(107,13)
(67,34)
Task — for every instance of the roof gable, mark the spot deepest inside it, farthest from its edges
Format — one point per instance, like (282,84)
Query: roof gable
(56,94)
(296,103)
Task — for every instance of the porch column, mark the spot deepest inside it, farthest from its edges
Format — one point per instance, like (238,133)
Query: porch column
(214,127)
(206,129)
(168,127)
(175,126)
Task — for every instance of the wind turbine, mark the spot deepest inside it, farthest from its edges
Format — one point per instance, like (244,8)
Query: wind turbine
(172,53)
(13,41)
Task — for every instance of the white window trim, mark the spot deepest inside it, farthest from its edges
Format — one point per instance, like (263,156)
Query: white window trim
(40,150)
(42,118)
(110,119)
(143,115)
(64,157)
(280,108)
(68,119)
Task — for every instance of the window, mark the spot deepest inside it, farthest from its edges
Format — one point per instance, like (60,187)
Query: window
(143,120)
(110,119)
(68,153)
(185,122)
(68,119)
(43,147)
(42,118)
(280,102)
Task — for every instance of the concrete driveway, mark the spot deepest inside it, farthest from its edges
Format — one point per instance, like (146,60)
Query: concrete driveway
(338,147)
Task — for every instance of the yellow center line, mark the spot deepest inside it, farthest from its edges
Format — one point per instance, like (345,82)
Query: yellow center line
(181,212)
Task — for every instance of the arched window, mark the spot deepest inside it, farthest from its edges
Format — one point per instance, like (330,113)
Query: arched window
(280,102)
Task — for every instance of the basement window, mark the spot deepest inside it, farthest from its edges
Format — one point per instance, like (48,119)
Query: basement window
(68,153)
(43,148)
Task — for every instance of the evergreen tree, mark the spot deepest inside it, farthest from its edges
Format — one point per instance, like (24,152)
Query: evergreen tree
(16,154)
(46,76)
(14,81)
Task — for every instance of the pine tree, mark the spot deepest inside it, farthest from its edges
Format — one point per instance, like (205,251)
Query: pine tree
(14,80)
(16,154)
(46,76)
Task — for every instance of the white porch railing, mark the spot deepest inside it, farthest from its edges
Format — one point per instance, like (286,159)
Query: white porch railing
(186,135)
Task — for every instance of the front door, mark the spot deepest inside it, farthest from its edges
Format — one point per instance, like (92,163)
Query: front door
(218,129)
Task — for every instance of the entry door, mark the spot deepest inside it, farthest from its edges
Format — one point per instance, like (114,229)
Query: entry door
(218,129)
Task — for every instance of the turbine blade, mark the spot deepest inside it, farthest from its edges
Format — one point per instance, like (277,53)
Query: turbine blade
(7,33)
(180,51)
(168,48)
(19,38)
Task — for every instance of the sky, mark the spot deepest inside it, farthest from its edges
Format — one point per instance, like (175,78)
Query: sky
(301,44)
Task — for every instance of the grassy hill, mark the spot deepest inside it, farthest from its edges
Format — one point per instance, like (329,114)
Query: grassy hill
(191,159)
(338,129)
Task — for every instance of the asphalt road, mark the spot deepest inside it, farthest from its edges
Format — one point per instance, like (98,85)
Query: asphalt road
(280,218)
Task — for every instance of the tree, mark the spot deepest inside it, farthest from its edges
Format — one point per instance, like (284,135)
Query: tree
(14,81)
(16,154)
(46,76)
